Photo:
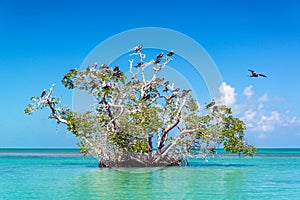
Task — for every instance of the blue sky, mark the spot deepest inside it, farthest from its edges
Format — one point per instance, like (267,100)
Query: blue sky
(41,40)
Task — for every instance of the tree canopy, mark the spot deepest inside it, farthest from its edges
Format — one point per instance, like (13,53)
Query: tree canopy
(139,121)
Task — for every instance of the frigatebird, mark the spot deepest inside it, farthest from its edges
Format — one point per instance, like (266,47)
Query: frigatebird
(160,56)
(157,61)
(171,53)
(43,93)
(73,70)
(94,66)
(138,48)
(254,74)
(116,71)
(176,90)
(146,97)
(166,86)
(185,92)
(116,68)
(139,64)
(103,66)
(212,103)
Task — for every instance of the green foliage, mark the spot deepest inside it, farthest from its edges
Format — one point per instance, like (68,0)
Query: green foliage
(131,115)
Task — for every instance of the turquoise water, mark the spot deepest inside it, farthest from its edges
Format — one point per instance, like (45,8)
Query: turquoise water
(63,174)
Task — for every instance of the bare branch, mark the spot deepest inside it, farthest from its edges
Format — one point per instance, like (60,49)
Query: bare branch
(170,127)
(50,102)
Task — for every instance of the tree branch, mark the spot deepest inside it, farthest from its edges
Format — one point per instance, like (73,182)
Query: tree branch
(51,104)
(170,127)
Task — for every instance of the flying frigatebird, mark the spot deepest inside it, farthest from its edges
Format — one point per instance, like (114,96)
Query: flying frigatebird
(254,74)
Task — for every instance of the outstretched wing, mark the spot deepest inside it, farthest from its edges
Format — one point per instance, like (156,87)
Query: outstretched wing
(262,75)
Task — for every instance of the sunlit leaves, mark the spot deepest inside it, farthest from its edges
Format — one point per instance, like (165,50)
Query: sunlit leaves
(130,116)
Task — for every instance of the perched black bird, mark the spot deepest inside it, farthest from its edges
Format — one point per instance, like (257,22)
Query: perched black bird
(43,93)
(176,90)
(116,68)
(103,66)
(146,97)
(171,53)
(73,70)
(254,74)
(138,48)
(106,87)
(116,71)
(166,86)
(157,61)
(215,108)
(139,64)
(185,92)
(94,66)
(212,103)
(160,56)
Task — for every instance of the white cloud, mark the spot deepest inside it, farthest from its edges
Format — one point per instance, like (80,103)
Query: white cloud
(268,123)
(227,94)
(264,98)
(260,106)
(248,91)
(250,115)
(294,120)
(253,112)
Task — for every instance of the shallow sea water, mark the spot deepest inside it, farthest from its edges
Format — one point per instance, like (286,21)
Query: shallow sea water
(63,174)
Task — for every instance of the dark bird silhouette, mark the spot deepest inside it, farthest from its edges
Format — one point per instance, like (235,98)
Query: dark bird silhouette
(139,64)
(94,66)
(176,90)
(171,53)
(146,97)
(73,70)
(103,66)
(43,93)
(166,86)
(116,68)
(116,71)
(185,92)
(215,109)
(106,87)
(157,61)
(254,74)
(138,48)
(160,56)
(212,103)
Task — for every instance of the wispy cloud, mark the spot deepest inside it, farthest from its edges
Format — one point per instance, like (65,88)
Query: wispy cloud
(264,98)
(253,112)
(268,123)
(248,91)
